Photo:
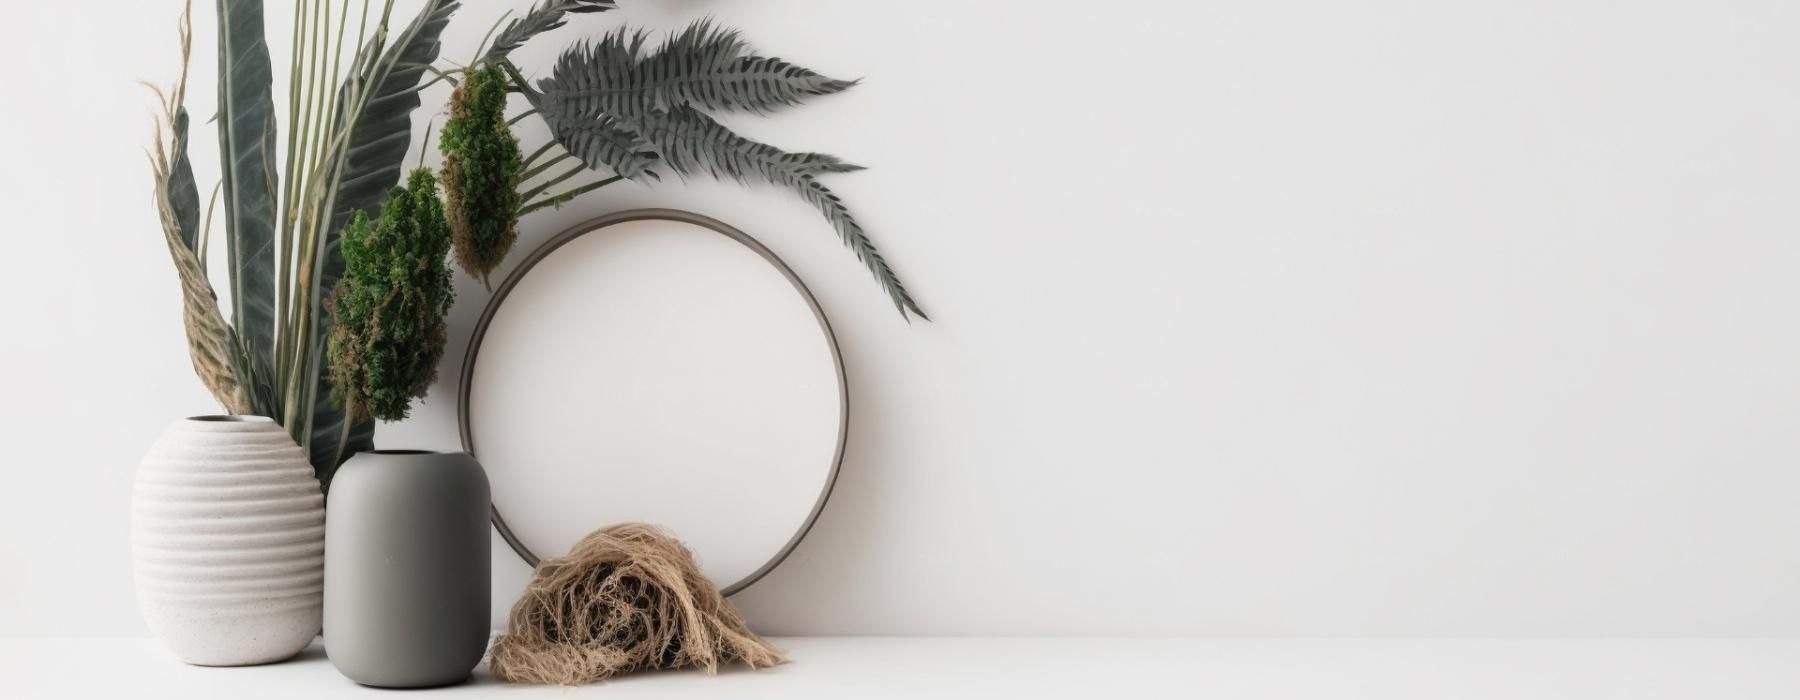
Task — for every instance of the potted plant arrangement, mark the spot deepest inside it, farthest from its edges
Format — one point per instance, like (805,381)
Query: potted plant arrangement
(336,272)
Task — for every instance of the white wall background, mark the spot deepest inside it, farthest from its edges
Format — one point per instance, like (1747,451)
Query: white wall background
(1253,318)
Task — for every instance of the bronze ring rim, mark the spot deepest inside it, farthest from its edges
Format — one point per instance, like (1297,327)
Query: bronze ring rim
(722,228)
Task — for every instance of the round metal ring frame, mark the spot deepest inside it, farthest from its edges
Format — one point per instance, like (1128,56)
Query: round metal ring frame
(720,227)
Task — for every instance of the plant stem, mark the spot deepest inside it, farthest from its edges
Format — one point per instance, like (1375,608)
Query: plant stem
(290,189)
(521,117)
(362,25)
(313,141)
(317,95)
(206,231)
(552,182)
(442,76)
(557,199)
(425,143)
(321,195)
(512,71)
(537,154)
(343,437)
(337,49)
(334,174)
(539,170)
(481,48)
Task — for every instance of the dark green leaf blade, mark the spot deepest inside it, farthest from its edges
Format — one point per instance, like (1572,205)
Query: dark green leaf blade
(702,65)
(331,445)
(603,97)
(691,142)
(834,211)
(543,17)
(247,152)
(183,195)
(326,457)
(602,143)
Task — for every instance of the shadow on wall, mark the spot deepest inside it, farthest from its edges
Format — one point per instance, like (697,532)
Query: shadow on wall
(823,565)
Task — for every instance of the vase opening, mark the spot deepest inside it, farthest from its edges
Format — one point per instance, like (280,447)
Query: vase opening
(231,419)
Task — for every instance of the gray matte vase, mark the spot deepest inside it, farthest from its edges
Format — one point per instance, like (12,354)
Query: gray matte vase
(406,568)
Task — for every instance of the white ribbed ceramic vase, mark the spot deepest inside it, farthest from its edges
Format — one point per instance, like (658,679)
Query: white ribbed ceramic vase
(228,541)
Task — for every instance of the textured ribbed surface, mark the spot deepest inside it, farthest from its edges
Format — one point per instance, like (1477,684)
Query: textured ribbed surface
(228,542)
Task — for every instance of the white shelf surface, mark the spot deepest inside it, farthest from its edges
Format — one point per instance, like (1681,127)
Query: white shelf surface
(1013,668)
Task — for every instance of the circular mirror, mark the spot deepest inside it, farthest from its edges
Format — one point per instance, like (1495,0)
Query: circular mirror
(662,367)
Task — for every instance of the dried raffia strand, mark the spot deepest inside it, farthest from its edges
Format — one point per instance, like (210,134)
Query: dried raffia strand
(211,343)
(627,598)
(208,336)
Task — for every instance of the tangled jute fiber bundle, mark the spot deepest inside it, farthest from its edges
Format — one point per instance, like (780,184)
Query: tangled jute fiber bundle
(627,598)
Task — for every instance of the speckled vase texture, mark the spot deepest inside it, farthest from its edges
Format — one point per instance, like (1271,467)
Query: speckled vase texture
(228,542)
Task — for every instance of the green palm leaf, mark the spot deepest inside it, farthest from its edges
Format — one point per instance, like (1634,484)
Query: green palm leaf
(247,149)
(702,65)
(182,195)
(543,17)
(606,100)
(691,142)
(602,143)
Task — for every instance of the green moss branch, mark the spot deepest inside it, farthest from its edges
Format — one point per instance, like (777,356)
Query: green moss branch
(482,172)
